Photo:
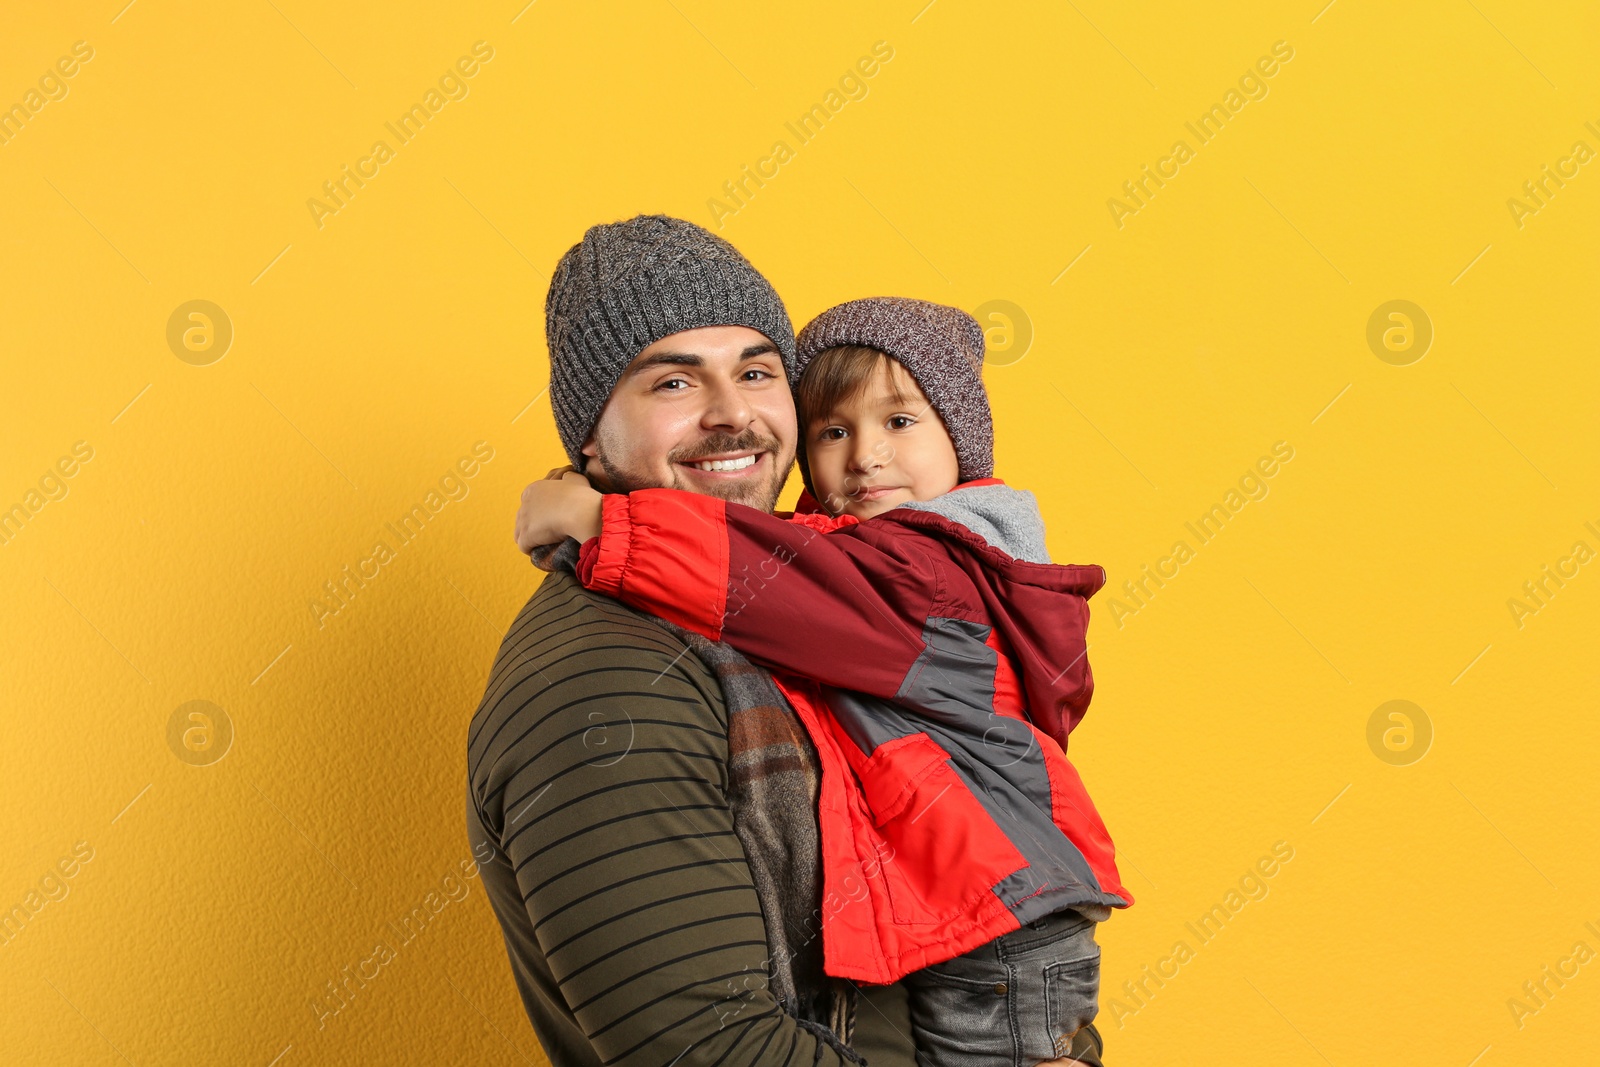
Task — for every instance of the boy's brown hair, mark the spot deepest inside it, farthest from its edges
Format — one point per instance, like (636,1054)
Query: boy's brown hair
(836,377)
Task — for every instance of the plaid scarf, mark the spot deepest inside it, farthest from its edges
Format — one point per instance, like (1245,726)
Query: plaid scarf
(774,779)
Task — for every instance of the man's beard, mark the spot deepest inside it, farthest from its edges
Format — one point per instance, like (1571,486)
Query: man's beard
(760,495)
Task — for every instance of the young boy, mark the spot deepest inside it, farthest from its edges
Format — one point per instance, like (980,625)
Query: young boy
(937,660)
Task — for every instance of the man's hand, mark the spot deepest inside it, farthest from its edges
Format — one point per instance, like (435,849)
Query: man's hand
(562,505)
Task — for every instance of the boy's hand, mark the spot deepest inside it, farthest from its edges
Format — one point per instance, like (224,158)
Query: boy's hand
(562,505)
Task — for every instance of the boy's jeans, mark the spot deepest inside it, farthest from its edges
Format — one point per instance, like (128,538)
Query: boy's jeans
(1014,1002)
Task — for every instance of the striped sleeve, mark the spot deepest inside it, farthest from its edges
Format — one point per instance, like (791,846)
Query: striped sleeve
(598,769)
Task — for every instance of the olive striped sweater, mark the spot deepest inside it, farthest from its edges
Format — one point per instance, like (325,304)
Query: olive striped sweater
(597,774)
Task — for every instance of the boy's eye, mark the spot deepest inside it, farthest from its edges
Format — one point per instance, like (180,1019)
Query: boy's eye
(901,422)
(832,433)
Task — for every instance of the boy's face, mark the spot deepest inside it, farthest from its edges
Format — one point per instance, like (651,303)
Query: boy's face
(880,449)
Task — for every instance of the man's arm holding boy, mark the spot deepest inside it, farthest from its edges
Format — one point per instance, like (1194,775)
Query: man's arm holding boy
(839,609)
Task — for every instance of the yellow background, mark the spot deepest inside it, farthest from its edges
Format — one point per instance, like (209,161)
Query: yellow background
(371,353)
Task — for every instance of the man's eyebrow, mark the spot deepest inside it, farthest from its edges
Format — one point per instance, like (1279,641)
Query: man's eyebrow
(690,359)
(673,359)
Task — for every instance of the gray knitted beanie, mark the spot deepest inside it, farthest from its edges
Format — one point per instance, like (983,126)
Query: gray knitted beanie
(941,347)
(628,284)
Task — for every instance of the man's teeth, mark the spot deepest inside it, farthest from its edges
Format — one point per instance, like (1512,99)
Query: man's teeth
(726,464)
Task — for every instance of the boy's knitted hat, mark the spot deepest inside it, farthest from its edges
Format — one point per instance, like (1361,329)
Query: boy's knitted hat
(942,349)
(627,285)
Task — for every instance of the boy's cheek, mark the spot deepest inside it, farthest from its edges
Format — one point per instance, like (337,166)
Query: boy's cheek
(827,482)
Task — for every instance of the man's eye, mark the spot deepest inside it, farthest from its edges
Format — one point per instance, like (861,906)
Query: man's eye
(759,372)
(664,386)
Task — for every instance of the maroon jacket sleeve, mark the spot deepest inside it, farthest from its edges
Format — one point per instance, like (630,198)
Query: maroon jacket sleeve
(843,609)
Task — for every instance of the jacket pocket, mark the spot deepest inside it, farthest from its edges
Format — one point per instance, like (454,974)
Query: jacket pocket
(947,851)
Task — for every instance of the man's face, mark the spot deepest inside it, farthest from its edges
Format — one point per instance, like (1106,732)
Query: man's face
(716,397)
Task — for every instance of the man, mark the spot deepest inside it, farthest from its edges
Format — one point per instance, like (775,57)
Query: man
(640,800)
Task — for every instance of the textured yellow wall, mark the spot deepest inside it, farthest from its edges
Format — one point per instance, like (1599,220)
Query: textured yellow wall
(190,887)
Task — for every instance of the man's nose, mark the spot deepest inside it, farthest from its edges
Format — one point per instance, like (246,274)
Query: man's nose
(726,408)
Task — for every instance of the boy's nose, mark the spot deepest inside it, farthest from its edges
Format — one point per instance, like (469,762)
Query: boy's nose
(869,456)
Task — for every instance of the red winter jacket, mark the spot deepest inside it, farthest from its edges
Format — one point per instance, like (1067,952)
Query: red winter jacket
(938,676)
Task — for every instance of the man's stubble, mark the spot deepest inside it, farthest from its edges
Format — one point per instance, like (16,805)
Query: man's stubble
(763,496)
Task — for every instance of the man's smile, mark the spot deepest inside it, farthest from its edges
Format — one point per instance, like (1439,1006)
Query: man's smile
(728,465)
